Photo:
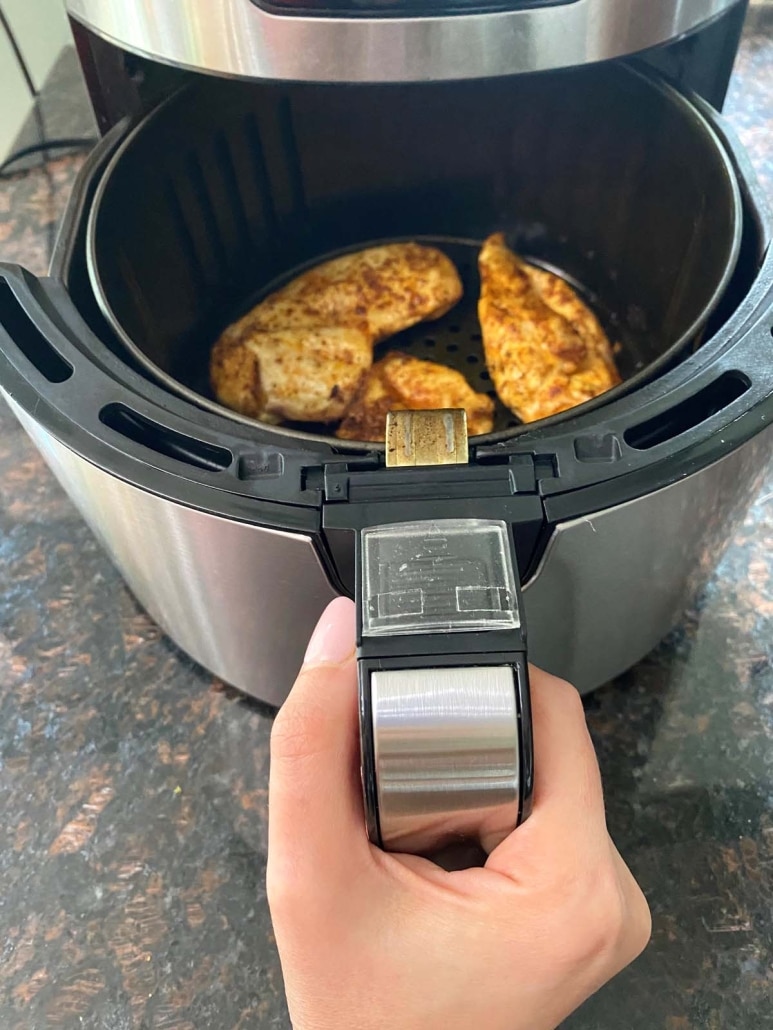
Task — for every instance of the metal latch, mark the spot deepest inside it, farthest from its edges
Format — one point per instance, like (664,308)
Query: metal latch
(427,438)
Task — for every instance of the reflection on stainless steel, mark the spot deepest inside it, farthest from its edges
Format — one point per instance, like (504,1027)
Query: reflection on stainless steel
(612,585)
(235,37)
(446,755)
(240,599)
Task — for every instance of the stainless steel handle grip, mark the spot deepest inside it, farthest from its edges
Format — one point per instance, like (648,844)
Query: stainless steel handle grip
(446,756)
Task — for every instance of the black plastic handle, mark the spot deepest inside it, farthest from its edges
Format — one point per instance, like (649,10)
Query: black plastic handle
(440,625)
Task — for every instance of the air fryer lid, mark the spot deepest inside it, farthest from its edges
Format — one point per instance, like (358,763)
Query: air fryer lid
(388,40)
(605,174)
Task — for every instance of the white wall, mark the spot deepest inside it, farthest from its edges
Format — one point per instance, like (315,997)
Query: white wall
(41,28)
(14,96)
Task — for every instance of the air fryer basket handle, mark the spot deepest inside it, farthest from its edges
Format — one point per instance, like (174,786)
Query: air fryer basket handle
(445,719)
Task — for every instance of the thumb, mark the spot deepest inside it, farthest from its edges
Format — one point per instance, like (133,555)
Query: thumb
(316,821)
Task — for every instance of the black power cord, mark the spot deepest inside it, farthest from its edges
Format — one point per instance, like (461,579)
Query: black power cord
(65,143)
(44,145)
(19,55)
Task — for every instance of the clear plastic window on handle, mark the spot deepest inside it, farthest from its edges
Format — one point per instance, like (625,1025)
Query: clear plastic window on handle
(445,576)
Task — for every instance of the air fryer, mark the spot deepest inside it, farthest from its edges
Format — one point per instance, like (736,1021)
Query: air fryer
(210,187)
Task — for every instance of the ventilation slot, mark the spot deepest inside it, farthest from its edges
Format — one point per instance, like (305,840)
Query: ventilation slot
(163,440)
(29,339)
(690,413)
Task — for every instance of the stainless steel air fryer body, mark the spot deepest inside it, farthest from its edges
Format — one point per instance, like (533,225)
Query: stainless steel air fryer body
(233,535)
(242,598)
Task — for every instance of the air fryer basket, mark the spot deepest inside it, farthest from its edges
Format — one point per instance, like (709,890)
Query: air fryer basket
(228,189)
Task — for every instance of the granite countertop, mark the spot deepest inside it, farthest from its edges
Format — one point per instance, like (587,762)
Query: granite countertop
(133,786)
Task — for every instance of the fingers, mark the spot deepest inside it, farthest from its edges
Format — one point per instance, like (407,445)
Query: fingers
(637,927)
(568,808)
(564,852)
(316,823)
(567,779)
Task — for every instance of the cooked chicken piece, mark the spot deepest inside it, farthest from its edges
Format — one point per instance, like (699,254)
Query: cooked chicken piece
(559,295)
(300,353)
(398,382)
(303,375)
(382,290)
(544,348)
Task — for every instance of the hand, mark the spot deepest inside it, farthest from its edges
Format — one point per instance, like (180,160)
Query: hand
(370,941)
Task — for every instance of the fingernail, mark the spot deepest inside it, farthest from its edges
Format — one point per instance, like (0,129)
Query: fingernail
(333,640)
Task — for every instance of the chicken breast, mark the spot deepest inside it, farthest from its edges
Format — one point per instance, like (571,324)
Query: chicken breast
(399,382)
(545,350)
(308,375)
(301,352)
(381,290)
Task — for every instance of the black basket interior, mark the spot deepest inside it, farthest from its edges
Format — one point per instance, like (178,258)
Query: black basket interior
(601,173)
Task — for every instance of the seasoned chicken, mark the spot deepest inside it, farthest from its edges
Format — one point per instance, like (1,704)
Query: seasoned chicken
(308,375)
(381,290)
(545,350)
(399,382)
(301,352)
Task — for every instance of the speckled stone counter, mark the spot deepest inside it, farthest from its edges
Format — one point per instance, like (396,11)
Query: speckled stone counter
(133,786)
